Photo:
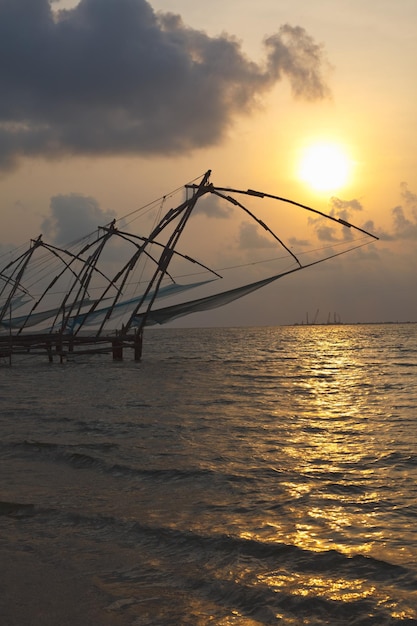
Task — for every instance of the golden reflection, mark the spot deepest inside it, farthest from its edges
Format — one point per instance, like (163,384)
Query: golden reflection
(330,526)
(329,506)
(335,374)
(330,491)
(297,490)
(334,589)
(236,619)
(338,589)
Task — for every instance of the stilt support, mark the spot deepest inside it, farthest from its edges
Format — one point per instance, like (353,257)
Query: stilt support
(117,349)
(138,344)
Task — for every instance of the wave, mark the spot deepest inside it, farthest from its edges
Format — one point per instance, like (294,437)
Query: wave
(400,460)
(268,552)
(263,581)
(72,455)
(17,509)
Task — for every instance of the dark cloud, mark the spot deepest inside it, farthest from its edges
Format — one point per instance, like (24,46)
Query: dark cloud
(113,76)
(73,216)
(294,53)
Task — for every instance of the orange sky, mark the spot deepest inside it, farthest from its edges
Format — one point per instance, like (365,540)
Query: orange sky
(365,106)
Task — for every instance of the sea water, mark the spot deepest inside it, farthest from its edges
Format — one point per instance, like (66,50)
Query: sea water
(233,477)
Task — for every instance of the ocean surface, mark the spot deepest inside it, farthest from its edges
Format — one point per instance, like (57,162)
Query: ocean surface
(243,477)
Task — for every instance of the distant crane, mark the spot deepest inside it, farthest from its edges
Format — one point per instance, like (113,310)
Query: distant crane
(335,320)
(314,321)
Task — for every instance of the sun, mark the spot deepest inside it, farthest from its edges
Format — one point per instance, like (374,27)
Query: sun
(325,166)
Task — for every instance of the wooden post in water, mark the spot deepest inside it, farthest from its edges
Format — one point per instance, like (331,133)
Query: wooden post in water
(59,349)
(138,344)
(117,348)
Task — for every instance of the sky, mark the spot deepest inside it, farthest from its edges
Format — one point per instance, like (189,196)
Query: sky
(109,104)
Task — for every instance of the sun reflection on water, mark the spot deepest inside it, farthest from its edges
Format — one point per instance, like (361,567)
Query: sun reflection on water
(337,496)
(338,589)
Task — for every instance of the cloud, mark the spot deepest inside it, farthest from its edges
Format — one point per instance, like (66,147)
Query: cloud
(326,231)
(73,216)
(294,53)
(404,227)
(249,237)
(294,242)
(114,77)
(344,207)
(404,218)
(211,206)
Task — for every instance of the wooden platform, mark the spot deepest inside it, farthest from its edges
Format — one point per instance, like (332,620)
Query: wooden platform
(61,346)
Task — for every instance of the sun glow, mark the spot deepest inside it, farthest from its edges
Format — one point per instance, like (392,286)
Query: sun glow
(325,167)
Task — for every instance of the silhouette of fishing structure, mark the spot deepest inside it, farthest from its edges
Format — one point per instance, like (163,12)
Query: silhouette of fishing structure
(63,301)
